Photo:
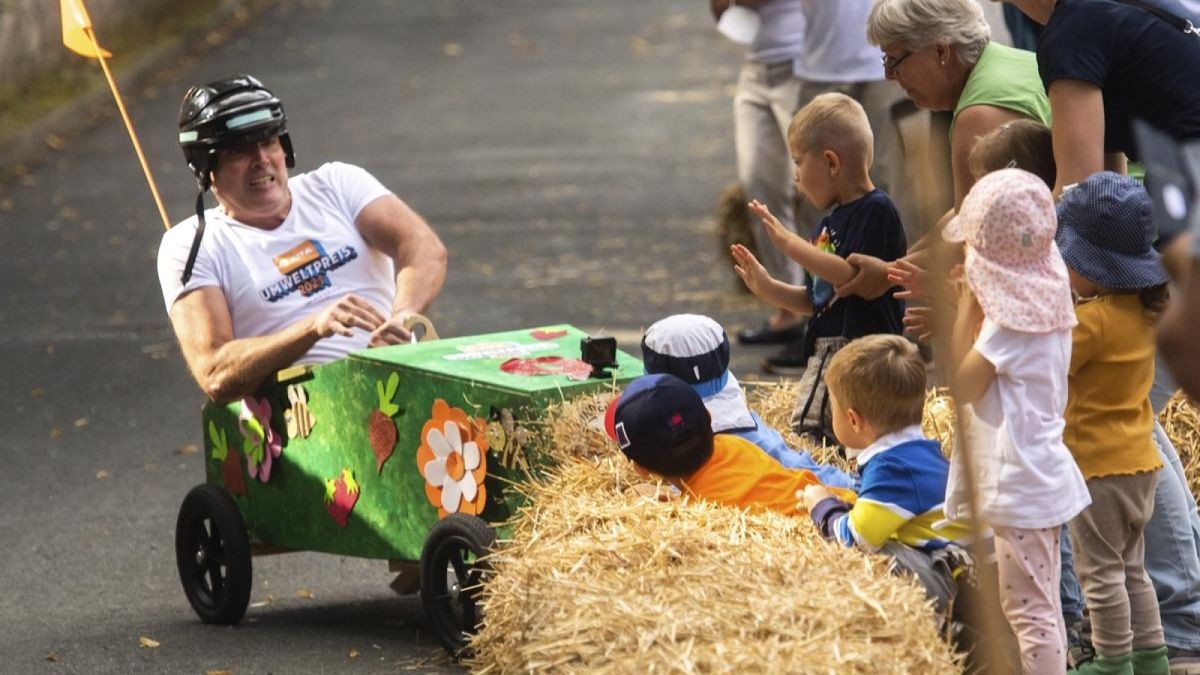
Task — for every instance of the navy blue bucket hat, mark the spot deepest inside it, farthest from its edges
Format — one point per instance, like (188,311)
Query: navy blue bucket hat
(1105,233)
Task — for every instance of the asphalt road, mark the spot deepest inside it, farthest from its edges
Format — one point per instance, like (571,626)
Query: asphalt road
(569,152)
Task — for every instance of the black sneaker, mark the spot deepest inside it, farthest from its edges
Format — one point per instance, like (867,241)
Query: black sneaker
(790,361)
(765,335)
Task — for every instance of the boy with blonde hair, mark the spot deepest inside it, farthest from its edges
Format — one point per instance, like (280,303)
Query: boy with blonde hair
(831,145)
(877,388)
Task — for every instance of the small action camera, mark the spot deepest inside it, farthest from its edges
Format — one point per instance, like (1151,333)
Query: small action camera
(600,353)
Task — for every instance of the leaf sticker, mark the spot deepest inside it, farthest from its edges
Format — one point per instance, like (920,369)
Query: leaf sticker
(218,438)
(386,395)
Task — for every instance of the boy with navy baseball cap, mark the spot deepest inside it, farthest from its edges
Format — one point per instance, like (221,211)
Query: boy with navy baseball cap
(661,424)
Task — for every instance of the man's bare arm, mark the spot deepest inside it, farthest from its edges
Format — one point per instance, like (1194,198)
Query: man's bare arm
(1078,130)
(227,369)
(392,227)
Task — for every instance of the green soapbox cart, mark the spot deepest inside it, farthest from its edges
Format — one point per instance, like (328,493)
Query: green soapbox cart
(406,453)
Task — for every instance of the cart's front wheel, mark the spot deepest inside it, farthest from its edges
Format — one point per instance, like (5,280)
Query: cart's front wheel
(452,576)
(212,552)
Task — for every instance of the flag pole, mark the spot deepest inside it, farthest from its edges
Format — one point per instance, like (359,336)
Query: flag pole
(162,211)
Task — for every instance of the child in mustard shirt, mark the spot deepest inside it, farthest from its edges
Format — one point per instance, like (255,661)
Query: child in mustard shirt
(1105,234)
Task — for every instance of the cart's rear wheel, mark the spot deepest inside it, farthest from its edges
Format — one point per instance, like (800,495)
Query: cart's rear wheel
(452,576)
(212,553)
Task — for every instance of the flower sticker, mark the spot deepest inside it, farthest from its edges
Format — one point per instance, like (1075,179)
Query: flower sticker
(260,443)
(453,459)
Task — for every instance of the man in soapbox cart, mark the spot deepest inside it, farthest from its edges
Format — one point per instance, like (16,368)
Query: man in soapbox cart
(402,451)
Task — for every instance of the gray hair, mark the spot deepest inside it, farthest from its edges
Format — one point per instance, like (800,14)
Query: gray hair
(921,24)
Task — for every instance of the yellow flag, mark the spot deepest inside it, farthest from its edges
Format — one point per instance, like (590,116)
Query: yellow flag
(76,23)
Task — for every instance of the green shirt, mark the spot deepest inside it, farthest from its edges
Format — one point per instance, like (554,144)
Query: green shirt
(1005,78)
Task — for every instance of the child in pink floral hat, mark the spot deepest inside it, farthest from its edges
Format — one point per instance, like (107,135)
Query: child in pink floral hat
(1010,351)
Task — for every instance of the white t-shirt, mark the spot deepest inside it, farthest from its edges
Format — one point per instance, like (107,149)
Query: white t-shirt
(1024,474)
(780,34)
(835,43)
(273,278)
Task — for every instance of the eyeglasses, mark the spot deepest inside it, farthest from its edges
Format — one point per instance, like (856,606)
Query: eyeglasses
(890,64)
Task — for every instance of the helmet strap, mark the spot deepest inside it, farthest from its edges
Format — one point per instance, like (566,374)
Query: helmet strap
(191,259)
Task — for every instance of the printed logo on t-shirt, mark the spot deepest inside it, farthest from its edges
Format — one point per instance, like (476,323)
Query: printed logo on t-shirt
(306,268)
(821,291)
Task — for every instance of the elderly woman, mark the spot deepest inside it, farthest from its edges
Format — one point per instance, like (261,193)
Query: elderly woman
(941,54)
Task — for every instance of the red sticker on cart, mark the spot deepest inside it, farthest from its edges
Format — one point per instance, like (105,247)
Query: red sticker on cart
(547,365)
(547,334)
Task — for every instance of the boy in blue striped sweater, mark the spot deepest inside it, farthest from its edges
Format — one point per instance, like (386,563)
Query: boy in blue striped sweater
(877,391)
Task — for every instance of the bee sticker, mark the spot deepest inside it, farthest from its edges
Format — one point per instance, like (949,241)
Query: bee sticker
(299,418)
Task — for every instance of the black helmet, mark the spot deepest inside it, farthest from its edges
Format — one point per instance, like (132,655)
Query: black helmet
(221,114)
(228,112)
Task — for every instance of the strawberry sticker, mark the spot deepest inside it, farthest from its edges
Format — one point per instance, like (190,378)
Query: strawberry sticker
(231,461)
(341,494)
(380,428)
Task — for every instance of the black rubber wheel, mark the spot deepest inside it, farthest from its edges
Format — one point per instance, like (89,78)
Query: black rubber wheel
(212,552)
(452,575)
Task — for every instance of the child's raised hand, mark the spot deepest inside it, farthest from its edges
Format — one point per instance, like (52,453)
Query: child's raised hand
(918,322)
(913,278)
(813,495)
(753,274)
(775,229)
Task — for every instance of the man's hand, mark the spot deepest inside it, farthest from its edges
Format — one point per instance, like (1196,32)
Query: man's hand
(870,281)
(752,272)
(344,315)
(813,495)
(392,331)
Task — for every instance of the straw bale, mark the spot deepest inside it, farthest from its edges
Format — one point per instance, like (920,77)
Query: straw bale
(594,580)
(1181,420)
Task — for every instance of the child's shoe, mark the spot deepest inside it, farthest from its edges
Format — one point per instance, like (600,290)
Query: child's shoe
(1151,661)
(1106,665)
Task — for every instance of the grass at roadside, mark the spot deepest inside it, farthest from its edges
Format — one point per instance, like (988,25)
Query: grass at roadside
(23,104)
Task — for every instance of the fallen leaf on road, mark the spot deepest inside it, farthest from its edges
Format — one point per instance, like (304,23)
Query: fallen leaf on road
(354,653)
(52,657)
(55,432)
(103,474)
(81,422)
(189,449)
(304,593)
(218,672)
(264,603)
(55,142)
(37,392)
(452,49)
(146,643)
